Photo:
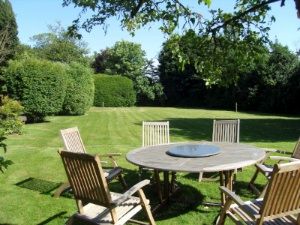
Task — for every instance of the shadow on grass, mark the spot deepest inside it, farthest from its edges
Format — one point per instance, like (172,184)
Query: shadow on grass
(186,199)
(252,130)
(208,176)
(39,185)
(54,217)
(241,188)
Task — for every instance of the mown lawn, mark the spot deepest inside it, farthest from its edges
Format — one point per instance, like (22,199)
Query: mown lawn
(26,188)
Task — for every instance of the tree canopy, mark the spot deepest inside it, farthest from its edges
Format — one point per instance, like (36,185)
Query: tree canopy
(123,58)
(57,46)
(8,31)
(134,14)
(238,31)
(128,59)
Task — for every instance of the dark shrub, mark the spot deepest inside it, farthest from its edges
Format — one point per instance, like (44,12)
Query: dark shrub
(40,85)
(113,91)
(80,90)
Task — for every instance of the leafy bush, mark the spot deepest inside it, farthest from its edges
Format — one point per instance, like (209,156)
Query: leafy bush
(10,111)
(4,163)
(80,90)
(113,91)
(40,85)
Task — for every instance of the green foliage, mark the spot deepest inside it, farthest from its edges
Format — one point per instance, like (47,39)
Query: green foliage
(57,46)
(209,66)
(267,81)
(4,111)
(128,59)
(39,85)
(281,65)
(3,162)
(100,61)
(134,14)
(8,32)
(244,27)
(218,60)
(148,91)
(276,79)
(80,90)
(124,58)
(113,91)
(10,111)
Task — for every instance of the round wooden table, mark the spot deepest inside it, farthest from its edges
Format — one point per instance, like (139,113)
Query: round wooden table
(232,156)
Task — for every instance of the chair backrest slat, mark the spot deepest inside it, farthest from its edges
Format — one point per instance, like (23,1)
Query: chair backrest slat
(86,178)
(226,131)
(283,192)
(296,152)
(155,133)
(72,140)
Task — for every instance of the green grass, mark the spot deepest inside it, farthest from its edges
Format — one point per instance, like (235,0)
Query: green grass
(27,185)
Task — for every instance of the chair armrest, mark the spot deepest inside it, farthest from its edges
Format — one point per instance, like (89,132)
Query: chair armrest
(269,150)
(283,158)
(232,195)
(109,154)
(130,192)
(248,210)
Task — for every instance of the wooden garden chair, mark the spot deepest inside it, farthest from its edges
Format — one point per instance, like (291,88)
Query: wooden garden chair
(225,131)
(280,205)
(154,133)
(266,170)
(73,143)
(95,203)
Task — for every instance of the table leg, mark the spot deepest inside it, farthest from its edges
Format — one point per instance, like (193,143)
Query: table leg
(226,179)
(173,181)
(158,186)
(222,182)
(166,185)
(167,190)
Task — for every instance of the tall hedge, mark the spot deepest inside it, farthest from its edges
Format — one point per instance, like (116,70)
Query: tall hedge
(113,91)
(40,86)
(80,90)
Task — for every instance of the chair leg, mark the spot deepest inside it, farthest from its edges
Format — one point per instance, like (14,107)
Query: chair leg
(140,172)
(122,181)
(200,176)
(262,194)
(65,186)
(146,207)
(252,185)
(222,217)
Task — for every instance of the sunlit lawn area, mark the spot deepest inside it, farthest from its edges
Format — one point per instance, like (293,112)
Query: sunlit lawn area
(26,188)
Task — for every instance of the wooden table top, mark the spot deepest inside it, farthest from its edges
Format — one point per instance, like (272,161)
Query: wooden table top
(232,156)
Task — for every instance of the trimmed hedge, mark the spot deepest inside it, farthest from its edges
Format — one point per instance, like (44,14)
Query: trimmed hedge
(40,85)
(113,91)
(80,90)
